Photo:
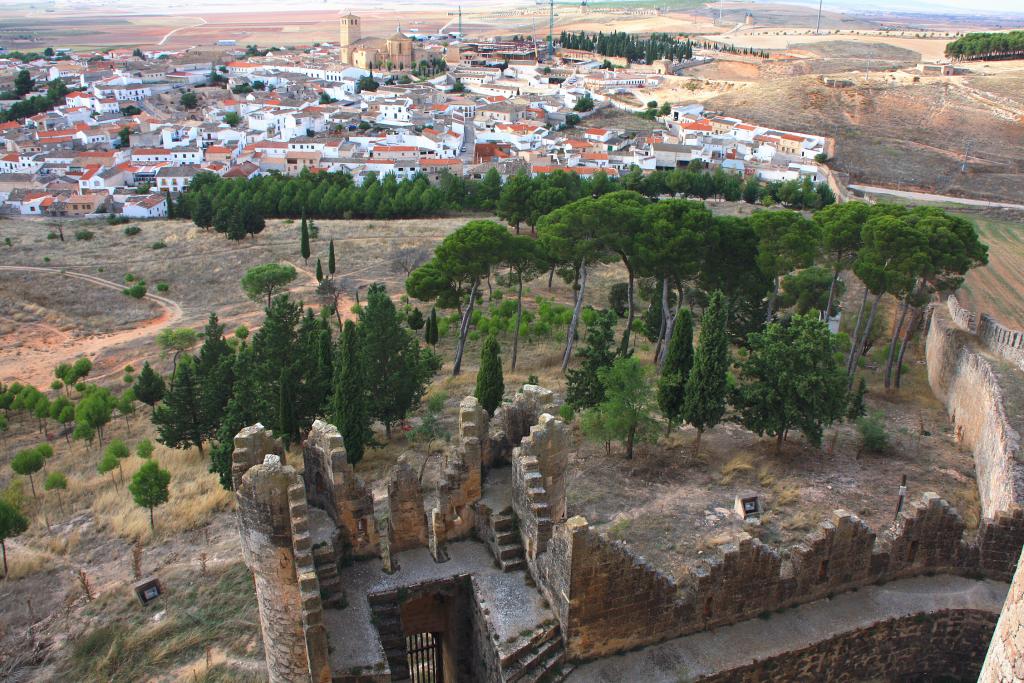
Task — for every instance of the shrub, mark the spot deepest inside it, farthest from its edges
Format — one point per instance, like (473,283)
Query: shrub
(159,245)
(533,379)
(136,291)
(52,235)
(84,235)
(872,433)
(46,259)
(132,230)
(117,220)
(162,286)
(566,413)
(129,277)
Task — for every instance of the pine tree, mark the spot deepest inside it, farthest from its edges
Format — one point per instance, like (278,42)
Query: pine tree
(584,388)
(330,258)
(304,248)
(149,387)
(214,375)
(490,384)
(12,523)
(242,410)
(430,334)
(178,418)
(397,371)
(676,371)
(150,487)
(707,384)
(348,402)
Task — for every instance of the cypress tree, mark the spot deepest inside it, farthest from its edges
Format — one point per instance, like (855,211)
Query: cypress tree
(430,334)
(490,384)
(304,249)
(287,425)
(319,271)
(348,403)
(676,371)
(707,385)
(242,410)
(330,258)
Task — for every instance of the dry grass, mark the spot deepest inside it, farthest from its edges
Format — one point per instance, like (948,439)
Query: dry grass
(195,495)
(739,464)
(25,560)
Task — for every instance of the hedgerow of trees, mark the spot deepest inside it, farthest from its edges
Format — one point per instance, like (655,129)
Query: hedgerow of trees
(1009,45)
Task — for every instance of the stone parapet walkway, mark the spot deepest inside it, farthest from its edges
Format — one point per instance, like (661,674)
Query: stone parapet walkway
(705,654)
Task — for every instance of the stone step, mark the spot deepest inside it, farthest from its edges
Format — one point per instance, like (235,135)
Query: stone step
(539,659)
(549,670)
(510,551)
(526,650)
(506,538)
(514,565)
(502,523)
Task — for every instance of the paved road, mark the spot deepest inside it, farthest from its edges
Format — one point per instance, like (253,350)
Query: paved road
(924,196)
(702,654)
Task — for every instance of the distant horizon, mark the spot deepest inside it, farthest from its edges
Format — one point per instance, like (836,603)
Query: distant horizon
(1012,8)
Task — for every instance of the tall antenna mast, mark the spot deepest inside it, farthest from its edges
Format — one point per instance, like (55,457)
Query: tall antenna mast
(551,30)
(817,26)
(721,8)
(460,22)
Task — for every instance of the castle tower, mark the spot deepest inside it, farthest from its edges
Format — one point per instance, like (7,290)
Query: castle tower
(349,30)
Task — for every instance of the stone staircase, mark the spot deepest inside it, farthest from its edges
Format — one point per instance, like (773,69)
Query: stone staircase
(508,548)
(540,660)
(325,561)
(387,618)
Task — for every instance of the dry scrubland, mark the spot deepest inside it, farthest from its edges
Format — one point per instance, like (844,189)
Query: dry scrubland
(887,133)
(201,269)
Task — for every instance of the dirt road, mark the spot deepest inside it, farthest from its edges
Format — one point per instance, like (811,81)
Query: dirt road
(35,366)
(926,197)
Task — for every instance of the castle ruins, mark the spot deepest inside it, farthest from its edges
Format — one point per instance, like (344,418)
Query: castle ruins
(479,574)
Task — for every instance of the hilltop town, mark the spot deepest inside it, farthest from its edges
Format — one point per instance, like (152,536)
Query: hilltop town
(135,127)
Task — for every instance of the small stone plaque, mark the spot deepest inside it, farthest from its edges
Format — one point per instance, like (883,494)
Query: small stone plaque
(147,590)
(748,506)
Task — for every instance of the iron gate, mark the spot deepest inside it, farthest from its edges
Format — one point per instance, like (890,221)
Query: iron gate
(423,652)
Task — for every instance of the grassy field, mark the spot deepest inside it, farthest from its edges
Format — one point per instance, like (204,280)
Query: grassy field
(996,288)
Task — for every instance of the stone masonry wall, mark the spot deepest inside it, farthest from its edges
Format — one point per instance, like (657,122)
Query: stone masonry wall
(332,485)
(965,381)
(609,600)
(943,646)
(252,444)
(512,421)
(538,483)
(265,529)
(1005,659)
(1001,340)
(407,521)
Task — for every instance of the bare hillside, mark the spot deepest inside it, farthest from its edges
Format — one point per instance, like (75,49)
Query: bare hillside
(914,135)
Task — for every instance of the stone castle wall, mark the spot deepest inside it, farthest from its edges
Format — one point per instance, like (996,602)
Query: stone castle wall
(538,483)
(972,388)
(273,527)
(1001,340)
(614,601)
(333,486)
(920,647)
(1005,659)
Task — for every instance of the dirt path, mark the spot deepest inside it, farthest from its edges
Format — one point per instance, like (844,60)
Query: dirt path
(163,40)
(35,366)
(924,196)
